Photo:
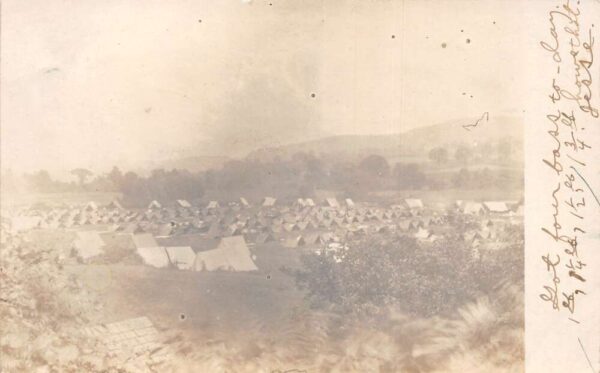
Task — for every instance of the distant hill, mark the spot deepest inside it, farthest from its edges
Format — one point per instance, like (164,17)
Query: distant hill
(414,143)
(192,164)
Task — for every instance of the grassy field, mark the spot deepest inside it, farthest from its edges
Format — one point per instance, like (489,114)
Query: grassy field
(199,304)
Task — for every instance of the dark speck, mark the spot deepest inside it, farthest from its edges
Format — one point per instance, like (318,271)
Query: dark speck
(393,36)
(468,41)
(444,45)
(199,21)
(313,95)
(268,277)
(182,317)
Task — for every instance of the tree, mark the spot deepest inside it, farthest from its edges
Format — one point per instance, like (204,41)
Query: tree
(462,179)
(504,150)
(462,154)
(375,165)
(115,176)
(82,174)
(408,176)
(438,155)
(40,181)
(379,272)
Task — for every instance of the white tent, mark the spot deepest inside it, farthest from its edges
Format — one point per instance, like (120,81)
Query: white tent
(332,202)
(88,244)
(183,203)
(472,208)
(413,203)
(422,233)
(269,202)
(350,202)
(181,257)
(212,205)
(154,205)
(91,206)
(244,202)
(232,254)
(496,207)
(23,223)
(154,256)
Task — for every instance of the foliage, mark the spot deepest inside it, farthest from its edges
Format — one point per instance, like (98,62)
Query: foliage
(422,280)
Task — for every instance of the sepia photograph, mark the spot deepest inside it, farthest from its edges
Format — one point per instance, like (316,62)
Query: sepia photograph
(263,186)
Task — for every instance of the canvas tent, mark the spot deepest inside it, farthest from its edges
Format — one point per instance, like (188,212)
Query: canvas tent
(181,257)
(350,203)
(413,203)
(472,208)
(332,202)
(91,206)
(212,205)
(88,244)
(496,207)
(154,205)
(269,202)
(23,223)
(183,203)
(154,256)
(232,254)
(244,202)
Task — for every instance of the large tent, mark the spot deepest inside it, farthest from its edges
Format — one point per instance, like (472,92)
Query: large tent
(88,244)
(181,257)
(154,256)
(232,254)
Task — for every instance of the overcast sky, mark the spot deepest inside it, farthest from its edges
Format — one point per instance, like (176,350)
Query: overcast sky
(93,83)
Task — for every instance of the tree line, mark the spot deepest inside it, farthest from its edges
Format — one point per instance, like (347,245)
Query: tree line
(300,175)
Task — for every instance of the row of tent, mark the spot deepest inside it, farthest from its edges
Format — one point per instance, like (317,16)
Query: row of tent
(230,254)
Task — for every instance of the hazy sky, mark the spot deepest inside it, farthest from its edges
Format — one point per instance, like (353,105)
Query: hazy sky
(91,83)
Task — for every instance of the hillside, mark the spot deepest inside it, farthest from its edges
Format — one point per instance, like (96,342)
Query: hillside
(411,144)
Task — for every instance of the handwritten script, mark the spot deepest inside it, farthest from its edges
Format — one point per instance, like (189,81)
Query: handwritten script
(571,103)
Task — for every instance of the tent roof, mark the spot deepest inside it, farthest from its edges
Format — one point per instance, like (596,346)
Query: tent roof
(88,244)
(413,203)
(183,203)
(181,257)
(154,256)
(496,206)
(232,254)
(269,201)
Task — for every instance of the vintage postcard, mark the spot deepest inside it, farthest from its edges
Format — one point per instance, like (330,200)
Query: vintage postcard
(300,186)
